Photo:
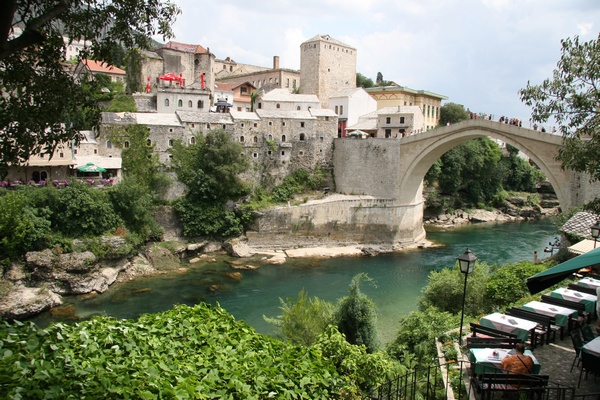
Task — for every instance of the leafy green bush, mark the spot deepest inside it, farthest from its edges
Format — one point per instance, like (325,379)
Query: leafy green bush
(507,284)
(356,316)
(207,220)
(186,352)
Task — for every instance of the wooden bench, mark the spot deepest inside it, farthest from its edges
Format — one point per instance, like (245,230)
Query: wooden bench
(492,343)
(579,307)
(485,332)
(546,327)
(582,289)
(532,385)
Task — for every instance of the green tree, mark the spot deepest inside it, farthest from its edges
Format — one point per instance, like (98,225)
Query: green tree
(507,284)
(302,320)
(38,95)
(470,173)
(140,162)
(122,103)
(356,316)
(571,98)
(363,81)
(519,175)
(444,290)
(210,169)
(22,227)
(452,113)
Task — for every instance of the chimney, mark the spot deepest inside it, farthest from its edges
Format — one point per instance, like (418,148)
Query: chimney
(275,62)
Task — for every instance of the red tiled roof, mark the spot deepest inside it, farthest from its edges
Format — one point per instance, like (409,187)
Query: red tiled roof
(186,48)
(225,86)
(100,66)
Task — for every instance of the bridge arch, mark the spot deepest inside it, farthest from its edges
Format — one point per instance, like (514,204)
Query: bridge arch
(420,152)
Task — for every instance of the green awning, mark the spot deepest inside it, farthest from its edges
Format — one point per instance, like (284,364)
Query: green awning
(554,275)
(91,167)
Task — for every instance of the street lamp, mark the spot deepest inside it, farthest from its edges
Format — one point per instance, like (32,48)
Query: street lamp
(466,262)
(595,231)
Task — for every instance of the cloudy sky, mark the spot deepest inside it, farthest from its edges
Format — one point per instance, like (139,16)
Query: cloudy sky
(478,53)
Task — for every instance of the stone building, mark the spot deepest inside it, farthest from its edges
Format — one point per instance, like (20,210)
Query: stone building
(394,96)
(282,99)
(349,104)
(326,67)
(391,122)
(265,78)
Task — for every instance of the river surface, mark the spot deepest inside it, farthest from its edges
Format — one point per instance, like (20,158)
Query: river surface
(399,278)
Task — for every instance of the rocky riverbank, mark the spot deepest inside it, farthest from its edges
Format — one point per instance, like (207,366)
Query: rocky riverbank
(41,281)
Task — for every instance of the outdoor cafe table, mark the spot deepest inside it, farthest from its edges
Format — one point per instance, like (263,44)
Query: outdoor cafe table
(589,300)
(592,347)
(507,323)
(589,282)
(561,314)
(485,361)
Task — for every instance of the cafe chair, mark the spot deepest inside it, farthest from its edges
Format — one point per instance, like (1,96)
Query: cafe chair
(590,364)
(577,345)
(588,333)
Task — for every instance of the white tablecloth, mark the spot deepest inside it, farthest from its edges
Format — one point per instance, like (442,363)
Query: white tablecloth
(589,282)
(560,314)
(593,347)
(510,324)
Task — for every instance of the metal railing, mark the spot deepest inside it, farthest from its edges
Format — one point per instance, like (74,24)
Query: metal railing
(454,381)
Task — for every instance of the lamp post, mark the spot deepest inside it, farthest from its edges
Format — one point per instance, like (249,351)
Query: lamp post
(595,229)
(466,262)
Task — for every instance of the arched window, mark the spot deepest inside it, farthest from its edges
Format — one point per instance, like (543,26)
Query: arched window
(166,102)
(170,142)
(278,105)
(270,137)
(108,144)
(43,175)
(241,139)
(298,108)
(193,140)
(255,139)
(190,103)
(283,138)
(126,144)
(179,103)
(302,136)
(200,103)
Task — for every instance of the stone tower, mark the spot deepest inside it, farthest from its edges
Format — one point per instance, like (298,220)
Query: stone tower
(326,66)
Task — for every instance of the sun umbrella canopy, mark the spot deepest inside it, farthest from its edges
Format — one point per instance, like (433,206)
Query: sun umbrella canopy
(554,275)
(91,167)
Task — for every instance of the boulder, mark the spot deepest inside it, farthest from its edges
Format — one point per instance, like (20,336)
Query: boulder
(22,302)
(196,246)
(483,216)
(237,248)
(370,251)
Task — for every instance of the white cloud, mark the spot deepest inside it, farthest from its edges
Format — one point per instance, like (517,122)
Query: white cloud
(477,52)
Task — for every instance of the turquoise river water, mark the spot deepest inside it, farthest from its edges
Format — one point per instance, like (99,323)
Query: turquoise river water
(399,278)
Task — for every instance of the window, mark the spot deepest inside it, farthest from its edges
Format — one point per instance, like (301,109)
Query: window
(239,108)
(95,151)
(270,137)
(224,127)
(62,155)
(41,155)
(301,153)
(207,126)
(283,138)
(278,105)
(388,133)
(224,66)
(241,139)
(75,150)
(193,125)
(243,89)
(287,83)
(401,120)
(170,130)
(254,155)
(200,103)
(108,144)
(170,142)
(270,123)
(190,103)
(301,124)
(388,120)
(321,138)
(179,103)
(148,142)
(269,152)
(166,102)
(193,140)
(302,136)
(126,144)
(336,110)
(283,152)
(298,108)
(255,139)
(283,123)
(341,110)
(259,105)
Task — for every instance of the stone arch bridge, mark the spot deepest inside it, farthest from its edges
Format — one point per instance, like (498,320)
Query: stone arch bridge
(391,172)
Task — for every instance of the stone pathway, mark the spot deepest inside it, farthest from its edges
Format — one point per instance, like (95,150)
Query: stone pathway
(556,360)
